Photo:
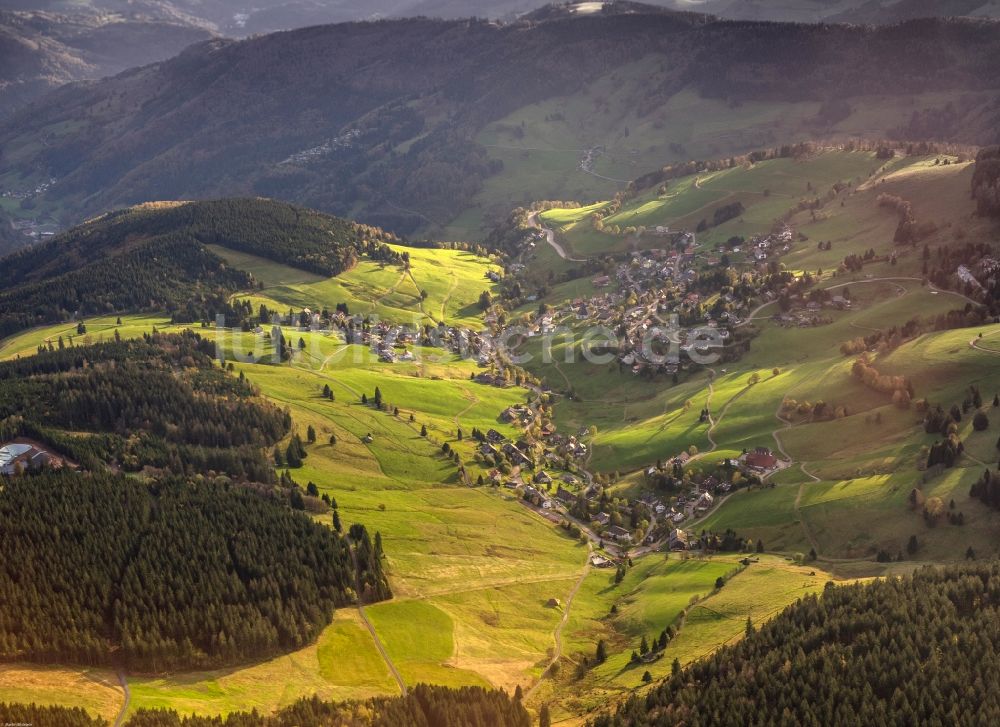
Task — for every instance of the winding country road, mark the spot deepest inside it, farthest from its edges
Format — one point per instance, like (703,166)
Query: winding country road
(550,237)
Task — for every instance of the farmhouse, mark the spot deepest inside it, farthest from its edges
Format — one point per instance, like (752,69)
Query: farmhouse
(515,455)
(17,457)
(620,535)
(677,540)
(761,458)
(565,496)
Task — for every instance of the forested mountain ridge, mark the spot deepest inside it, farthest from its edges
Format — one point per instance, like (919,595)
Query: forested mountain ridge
(40,51)
(154,257)
(157,402)
(920,649)
(382,125)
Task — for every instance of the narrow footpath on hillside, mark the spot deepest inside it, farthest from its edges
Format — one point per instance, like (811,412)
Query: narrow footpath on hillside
(371,629)
(557,634)
(123,680)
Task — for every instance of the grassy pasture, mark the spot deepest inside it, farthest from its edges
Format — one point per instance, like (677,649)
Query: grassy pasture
(767,190)
(653,594)
(441,286)
(95,690)
(98,329)
(342,664)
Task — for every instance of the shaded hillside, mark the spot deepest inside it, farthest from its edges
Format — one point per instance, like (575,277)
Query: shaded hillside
(10,239)
(913,650)
(378,120)
(40,51)
(898,11)
(154,257)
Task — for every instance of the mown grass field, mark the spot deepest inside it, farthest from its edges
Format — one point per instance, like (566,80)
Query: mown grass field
(441,286)
(95,690)
(342,664)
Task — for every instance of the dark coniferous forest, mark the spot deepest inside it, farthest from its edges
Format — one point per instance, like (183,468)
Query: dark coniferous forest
(159,402)
(105,569)
(918,650)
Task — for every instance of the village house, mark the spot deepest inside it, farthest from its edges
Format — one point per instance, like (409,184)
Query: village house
(566,497)
(515,455)
(677,540)
(619,534)
(761,458)
(17,457)
(602,519)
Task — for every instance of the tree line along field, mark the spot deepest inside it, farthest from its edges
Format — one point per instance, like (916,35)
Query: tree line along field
(679,592)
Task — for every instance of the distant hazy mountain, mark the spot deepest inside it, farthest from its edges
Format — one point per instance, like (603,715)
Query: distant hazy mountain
(380,121)
(42,50)
(882,12)
(236,18)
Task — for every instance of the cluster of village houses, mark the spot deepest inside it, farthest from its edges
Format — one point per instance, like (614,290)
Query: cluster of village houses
(38,189)
(651,291)
(33,229)
(547,470)
(565,494)
(344,141)
(650,296)
(393,342)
